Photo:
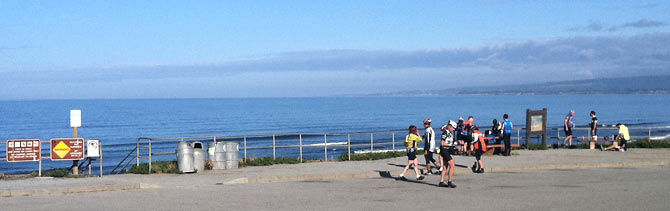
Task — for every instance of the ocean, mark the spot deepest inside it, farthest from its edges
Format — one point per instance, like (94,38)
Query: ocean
(119,122)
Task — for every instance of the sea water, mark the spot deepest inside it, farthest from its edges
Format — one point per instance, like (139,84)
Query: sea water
(119,122)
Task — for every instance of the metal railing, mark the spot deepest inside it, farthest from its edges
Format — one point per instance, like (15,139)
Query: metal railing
(144,145)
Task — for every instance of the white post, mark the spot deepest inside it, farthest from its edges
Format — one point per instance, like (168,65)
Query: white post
(300,147)
(274,147)
(349,145)
(325,146)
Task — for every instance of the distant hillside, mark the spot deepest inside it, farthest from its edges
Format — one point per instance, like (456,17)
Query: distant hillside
(628,85)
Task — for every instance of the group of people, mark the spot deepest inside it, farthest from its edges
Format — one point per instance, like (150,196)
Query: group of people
(464,137)
(622,135)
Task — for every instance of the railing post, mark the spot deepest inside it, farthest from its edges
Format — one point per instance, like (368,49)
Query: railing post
(274,147)
(149,156)
(39,174)
(649,133)
(372,142)
(325,146)
(100,148)
(137,163)
(558,134)
(349,145)
(393,144)
(518,136)
(300,145)
(245,148)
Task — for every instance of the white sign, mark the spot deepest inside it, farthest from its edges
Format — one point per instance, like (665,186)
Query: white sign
(92,148)
(75,118)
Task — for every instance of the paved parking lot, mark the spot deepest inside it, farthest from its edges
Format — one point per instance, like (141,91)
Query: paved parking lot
(580,189)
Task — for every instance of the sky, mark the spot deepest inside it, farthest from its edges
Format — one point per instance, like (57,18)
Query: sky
(222,49)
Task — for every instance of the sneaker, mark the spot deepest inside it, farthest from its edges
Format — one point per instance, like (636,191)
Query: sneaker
(420,178)
(403,178)
(441,184)
(451,185)
(481,171)
(430,173)
(474,168)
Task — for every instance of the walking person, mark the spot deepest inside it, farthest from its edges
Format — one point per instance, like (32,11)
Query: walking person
(446,149)
(507,134)
(479,145)
(594,126)
(429,146)
(411,141)
(568,124)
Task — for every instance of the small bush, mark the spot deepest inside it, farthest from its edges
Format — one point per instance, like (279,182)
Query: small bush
(160,167)
(64,172)
(537,147)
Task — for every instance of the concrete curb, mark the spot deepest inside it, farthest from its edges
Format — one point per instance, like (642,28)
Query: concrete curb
(70,190)
(376,174)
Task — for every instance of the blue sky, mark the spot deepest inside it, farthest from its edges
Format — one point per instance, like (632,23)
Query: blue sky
(179,49)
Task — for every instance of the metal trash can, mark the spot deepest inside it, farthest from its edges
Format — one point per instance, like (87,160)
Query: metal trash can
(232,154)
(219,161)
(210,151)
(185,157)
(198,156)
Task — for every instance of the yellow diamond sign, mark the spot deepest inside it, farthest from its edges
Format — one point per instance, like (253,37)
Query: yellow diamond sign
(61,149)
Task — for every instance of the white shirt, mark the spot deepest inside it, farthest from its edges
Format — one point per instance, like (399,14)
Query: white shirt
(430,139)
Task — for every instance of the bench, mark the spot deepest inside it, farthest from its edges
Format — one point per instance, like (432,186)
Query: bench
(592,143)
(489,152)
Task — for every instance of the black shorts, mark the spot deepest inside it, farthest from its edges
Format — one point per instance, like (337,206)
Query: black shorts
(429,156)
(411,154)
(623,142)
(446,154)
(568,131)
(478,154)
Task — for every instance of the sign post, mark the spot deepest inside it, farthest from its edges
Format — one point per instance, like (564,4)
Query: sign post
(75,122)
(536,124)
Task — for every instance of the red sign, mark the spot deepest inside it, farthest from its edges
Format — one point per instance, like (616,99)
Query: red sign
(23,150)
(67,149)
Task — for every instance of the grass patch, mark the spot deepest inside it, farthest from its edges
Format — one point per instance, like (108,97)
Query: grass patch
(64,172)
(376,155)
(372,156)
(645,143)
(576,146)
(268,161)
(537,147)
(159,167)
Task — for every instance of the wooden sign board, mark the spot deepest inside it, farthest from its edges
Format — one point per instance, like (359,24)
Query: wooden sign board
(536,124)
(23,150)
(67,149)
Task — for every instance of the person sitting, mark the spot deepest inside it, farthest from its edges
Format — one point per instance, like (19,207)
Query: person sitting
(623,136)
(495,133)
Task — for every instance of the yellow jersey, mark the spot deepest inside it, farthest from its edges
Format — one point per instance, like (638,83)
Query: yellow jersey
(411,141)
(623,130)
